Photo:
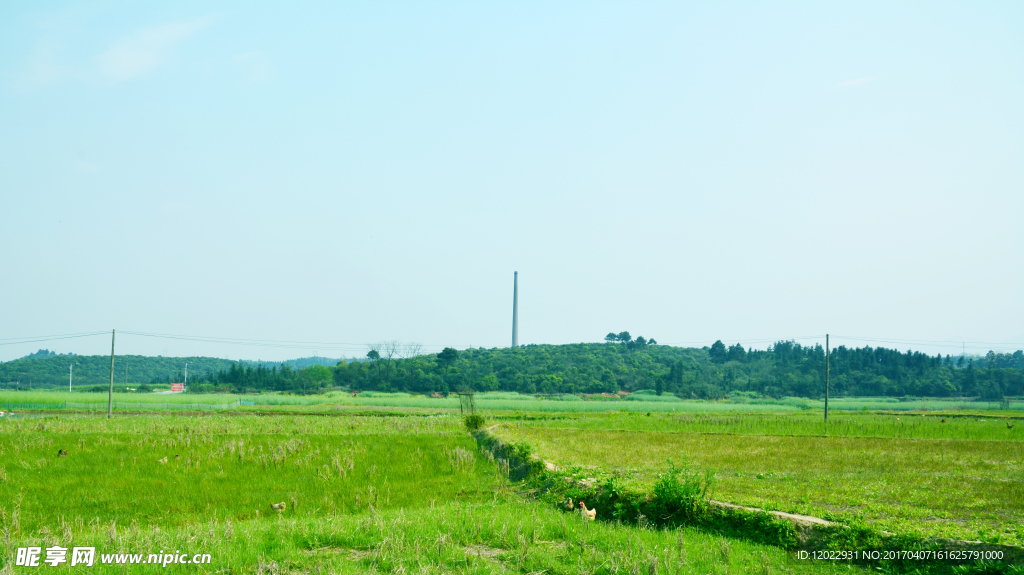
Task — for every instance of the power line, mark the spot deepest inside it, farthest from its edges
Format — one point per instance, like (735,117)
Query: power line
(749,341)
(975,345)
(928,341)
(287,344)
(35,339)
(219,339)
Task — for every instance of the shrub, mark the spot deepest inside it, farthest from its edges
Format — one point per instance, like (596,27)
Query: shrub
(681,493)
(474,422)
(518,456)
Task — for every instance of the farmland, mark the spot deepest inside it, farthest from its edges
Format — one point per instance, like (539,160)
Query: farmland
(496,402)
(171,470)
(961,479)
(987,426)
(362,494)
(386,482)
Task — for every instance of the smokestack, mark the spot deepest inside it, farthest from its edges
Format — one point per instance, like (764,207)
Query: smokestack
(515,310)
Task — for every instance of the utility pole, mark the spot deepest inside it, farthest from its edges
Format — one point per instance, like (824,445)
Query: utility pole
(515,310)
(186,377)
(71,375)
(826,378)
(110,398)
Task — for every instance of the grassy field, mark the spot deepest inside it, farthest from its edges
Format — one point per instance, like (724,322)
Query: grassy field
(988,427)
(506,536)
(961,488)
(407,462)
(363,494)
(894,404)
(492,402)
(485,401)
(169,470)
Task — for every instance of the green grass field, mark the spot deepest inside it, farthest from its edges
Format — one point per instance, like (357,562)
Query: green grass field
(960,488)
(363,495)
(507,536)
(341,400)
(490,402)
(988,427)
(923,404)
(170,470)
(346,466)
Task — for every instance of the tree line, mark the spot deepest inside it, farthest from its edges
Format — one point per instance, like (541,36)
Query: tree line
(621,364)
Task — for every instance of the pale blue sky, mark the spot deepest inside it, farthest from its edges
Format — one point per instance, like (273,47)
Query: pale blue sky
(350,172)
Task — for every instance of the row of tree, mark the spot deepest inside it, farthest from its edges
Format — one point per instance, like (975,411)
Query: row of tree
(631,344)
(784,369)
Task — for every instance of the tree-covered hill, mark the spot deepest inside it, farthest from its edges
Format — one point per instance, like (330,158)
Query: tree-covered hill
(43,369)
(784,369)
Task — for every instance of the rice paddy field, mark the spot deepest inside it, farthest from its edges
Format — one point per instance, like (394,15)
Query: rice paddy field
(988,426)
(391,483)
(344,401)
(361,494)
(490,401)
(962,478)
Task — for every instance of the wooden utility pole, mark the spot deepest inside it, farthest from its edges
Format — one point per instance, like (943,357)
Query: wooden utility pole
(110,398)
(826,378)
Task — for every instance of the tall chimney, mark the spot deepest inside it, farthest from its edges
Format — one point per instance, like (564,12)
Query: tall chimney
(515,310)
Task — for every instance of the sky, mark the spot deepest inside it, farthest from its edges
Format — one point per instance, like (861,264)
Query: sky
(312,177)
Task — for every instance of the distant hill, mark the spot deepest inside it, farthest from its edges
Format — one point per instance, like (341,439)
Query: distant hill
(47,369)
(298,363)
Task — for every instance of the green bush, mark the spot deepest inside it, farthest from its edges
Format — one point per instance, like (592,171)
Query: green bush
(681,493)
(474,422)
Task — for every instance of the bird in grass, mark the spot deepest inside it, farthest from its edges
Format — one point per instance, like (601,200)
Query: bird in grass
(568,504)
(279,507)
(62,453)
(588,514)
(1009,425)
(943,420)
